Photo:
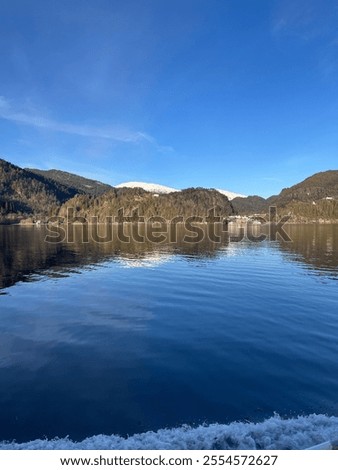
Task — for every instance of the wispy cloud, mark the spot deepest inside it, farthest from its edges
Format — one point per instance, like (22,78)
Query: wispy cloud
(305,19)
(295,19)
(31,118)
(309,21)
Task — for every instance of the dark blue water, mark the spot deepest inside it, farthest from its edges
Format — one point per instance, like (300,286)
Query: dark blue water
(115,339)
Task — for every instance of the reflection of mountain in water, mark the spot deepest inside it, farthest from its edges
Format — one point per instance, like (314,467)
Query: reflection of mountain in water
(315,246)
(25,254)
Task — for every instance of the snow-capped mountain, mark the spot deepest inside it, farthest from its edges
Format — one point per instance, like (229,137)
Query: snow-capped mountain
(151,187)
(160,189)
(230,195)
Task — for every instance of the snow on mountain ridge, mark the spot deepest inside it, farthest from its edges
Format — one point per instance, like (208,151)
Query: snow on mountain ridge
(151,187)
(161,189)
(230,195)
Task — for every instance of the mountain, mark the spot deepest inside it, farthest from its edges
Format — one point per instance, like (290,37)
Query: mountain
(319,186)
(250,205)
(38,194)
(313,199)
(151,187)
(192,202)
(27,194)
(77,183)
(23,193)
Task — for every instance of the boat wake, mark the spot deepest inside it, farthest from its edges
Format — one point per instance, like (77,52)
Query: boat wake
(274,433)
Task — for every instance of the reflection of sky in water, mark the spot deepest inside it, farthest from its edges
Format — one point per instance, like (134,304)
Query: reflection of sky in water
(199,332)
(187,333)
(146,261)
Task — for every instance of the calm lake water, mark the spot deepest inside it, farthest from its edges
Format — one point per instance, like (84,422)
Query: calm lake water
(124,338)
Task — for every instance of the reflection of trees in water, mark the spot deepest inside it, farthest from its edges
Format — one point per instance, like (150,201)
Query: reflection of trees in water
(315,245)
(24,252)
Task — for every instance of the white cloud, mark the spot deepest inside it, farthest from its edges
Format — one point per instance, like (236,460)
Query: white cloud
(33,119)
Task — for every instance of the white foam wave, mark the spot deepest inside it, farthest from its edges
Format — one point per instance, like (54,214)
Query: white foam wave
(274,433)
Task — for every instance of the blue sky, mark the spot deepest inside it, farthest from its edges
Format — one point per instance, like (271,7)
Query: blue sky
(234,94)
